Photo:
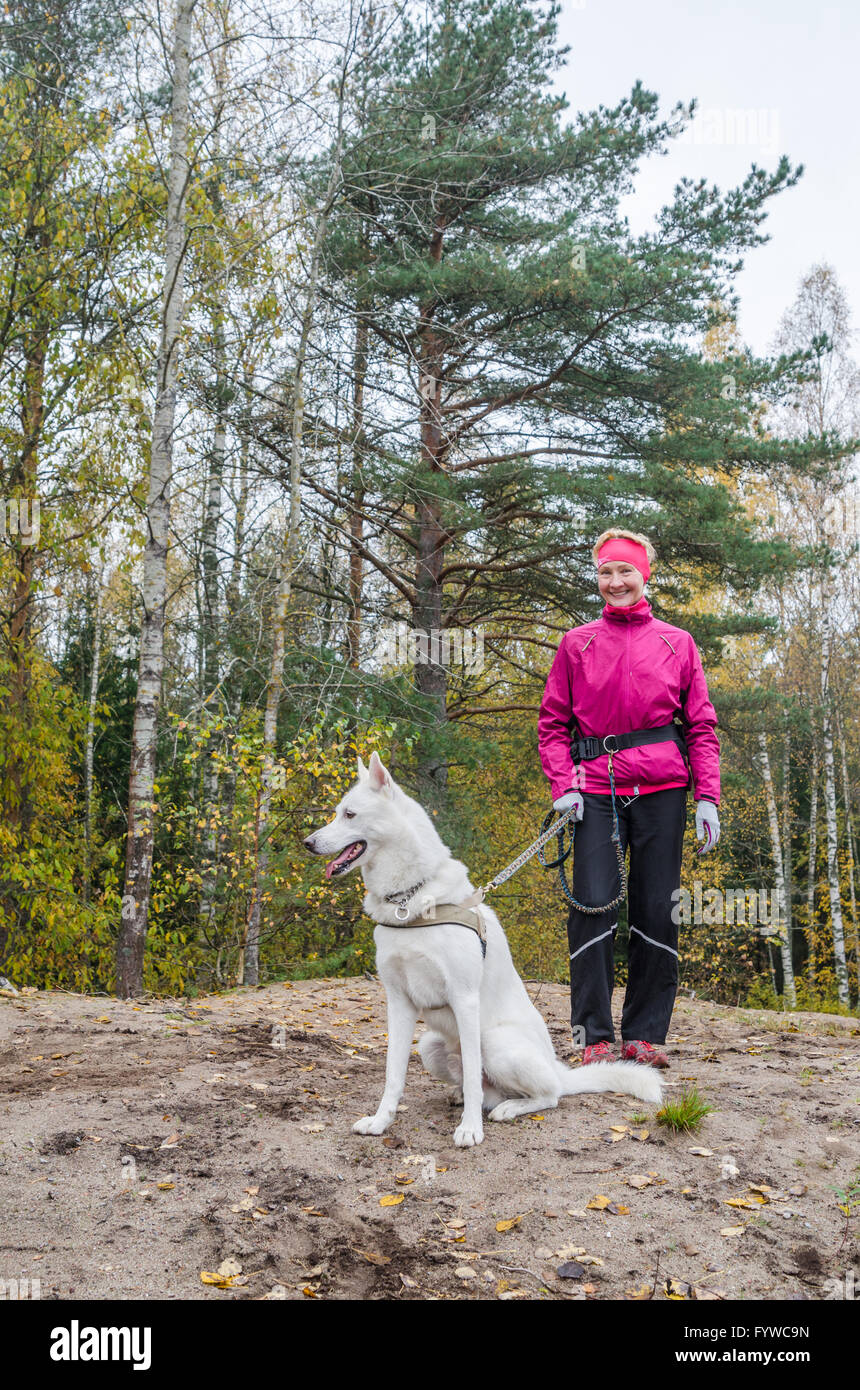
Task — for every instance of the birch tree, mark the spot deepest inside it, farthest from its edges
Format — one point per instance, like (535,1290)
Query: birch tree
(141,792)
(779,875)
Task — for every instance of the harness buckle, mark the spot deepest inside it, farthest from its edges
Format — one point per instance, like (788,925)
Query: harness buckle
(590,748)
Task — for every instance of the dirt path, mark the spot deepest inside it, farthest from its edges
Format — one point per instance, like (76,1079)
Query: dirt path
(141,1145)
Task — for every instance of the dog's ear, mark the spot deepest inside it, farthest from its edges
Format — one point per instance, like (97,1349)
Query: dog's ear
(362,770)
(379,777)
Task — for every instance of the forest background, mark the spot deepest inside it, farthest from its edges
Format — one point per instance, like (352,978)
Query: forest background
(322,332)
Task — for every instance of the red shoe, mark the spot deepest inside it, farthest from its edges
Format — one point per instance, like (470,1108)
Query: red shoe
(598,1052)
(644,1052)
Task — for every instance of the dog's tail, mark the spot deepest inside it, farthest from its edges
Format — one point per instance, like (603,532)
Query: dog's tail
(632,1078)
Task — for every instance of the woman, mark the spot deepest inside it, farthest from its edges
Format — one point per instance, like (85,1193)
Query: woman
(628,673)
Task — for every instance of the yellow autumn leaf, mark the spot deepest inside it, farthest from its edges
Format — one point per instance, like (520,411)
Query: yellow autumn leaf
(598,1203)
(508,1225)
(392,1199)
(166,1186)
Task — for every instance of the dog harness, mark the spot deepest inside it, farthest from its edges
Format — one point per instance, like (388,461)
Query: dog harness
(449,914)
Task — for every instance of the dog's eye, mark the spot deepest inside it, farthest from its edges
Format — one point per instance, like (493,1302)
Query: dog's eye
(349,814)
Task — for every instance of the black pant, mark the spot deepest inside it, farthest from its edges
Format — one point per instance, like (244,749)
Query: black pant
(653,827)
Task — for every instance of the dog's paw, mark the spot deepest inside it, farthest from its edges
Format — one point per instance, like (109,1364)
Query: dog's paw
(467,1135)
(456,1098)
(370,1124)
(507,1110)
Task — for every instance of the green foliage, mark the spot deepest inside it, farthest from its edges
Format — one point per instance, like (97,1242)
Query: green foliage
(683,1114)
(761,995)
(52,932)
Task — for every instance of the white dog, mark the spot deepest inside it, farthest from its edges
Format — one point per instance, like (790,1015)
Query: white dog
(484,1034)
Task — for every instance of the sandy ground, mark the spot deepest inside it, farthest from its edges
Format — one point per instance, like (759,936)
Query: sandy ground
(145,1145)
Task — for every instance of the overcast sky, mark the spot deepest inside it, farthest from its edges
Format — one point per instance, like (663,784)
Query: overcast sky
(791,67)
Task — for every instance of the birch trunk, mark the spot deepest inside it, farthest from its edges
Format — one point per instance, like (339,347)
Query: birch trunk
(430,675)
(211,626)
(141,792)
(830,812)
(212,633)
(849,830)
(789,992)
(356,507)
(787,872)
(91,728)
(813,854)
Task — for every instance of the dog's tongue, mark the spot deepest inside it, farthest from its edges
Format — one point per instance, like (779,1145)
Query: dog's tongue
(344,855)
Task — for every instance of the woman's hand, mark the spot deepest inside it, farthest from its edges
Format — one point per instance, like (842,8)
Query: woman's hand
(570,799)
(707,825)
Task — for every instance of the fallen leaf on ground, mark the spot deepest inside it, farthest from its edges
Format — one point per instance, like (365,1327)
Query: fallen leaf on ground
(393,1199)
(508,1225)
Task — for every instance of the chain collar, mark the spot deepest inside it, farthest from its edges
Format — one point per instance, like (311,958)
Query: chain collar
(401,911)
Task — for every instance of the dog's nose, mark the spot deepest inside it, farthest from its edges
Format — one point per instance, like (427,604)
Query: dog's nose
(309,844)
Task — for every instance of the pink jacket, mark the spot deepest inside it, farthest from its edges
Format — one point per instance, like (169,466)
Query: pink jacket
(628,670)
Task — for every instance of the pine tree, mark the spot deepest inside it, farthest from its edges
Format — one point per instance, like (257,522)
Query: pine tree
(537,368)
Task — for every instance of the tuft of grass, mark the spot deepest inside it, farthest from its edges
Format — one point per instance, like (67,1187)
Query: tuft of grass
(637,1119)
(684,1113)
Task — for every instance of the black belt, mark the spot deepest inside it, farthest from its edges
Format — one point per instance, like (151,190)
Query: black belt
(586,749)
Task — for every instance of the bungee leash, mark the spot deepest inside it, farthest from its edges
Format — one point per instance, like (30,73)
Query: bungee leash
(548,829)
(563,853)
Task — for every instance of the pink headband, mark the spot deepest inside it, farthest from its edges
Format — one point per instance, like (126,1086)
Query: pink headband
(619,548)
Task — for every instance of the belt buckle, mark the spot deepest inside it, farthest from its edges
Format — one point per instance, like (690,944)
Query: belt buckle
(591,745)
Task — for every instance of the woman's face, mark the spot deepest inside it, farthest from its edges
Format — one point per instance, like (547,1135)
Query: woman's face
(620,583)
